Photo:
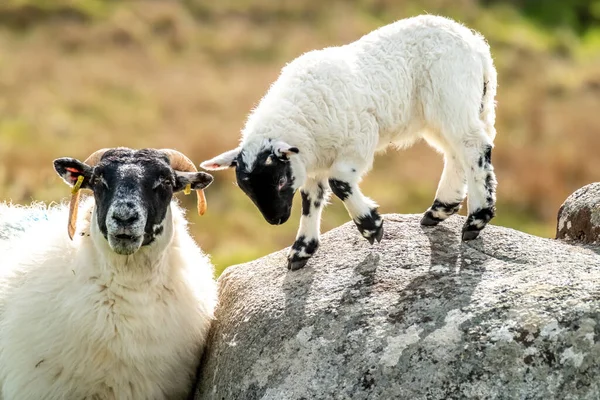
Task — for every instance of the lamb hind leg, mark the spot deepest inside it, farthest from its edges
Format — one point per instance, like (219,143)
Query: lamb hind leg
(481,188)
(344,184)
(450,193)
(314,195)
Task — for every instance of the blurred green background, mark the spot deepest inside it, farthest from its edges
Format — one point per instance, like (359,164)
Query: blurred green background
(77,75)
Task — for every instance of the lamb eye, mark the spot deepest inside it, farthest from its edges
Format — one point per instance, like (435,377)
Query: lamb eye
(282,182)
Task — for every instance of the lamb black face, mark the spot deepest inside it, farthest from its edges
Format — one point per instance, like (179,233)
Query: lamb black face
(132,191)
(269,184)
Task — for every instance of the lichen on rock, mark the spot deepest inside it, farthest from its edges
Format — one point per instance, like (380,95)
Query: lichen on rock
(422,315)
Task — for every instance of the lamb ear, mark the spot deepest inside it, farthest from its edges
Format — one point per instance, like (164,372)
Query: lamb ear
(222,161)
(284,151)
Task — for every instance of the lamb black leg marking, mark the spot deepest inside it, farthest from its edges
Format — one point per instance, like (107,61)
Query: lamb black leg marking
(307,239)
(450,193)
(341,189)
(320,196)
(480,217)
(438,212)
(302,250)
(488,155)
(366,218)
(483,97)
(370,226)
(305,202)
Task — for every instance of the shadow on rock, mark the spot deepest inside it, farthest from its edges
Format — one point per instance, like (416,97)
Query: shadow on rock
(448,285)
(296,288)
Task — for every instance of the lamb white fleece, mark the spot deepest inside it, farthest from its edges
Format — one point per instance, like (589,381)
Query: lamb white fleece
(418,77)
(78,321)
(426,77)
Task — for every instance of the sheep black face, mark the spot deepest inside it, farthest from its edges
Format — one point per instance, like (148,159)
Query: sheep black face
(132,190)
(267,176)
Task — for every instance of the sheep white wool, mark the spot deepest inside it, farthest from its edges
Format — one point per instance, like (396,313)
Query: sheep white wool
(78,321)
(426,77)
(15,220)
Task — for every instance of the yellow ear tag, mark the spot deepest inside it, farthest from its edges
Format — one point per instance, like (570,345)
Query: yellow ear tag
(188,189)
(77,185)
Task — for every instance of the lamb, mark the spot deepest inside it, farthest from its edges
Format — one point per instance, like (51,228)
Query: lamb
(331,110)
(122,310)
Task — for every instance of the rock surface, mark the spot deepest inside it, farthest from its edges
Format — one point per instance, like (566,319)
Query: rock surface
(419,316)
(579,216)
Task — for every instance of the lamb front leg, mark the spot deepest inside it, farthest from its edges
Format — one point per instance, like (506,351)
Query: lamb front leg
(362,210)
(314,195)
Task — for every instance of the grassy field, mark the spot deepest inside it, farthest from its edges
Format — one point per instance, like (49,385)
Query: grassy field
(79,75)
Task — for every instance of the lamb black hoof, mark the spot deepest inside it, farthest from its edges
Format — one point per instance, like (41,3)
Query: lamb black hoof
(294,265)
(370,226)
(379,234)
(470,235)
(429,220)
(373,235)
(476,222)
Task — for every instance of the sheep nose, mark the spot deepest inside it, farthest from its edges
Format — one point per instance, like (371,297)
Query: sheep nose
(125,216)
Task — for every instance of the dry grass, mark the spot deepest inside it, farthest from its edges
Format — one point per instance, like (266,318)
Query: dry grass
(154,74)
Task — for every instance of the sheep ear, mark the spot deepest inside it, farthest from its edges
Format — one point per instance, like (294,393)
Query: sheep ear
(222,161)
(284,151)
(70,169)
(193,180)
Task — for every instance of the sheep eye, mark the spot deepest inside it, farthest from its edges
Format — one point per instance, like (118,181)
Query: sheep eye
(162,182)
(99,180)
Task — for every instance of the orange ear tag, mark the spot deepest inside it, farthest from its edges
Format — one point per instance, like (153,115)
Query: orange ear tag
(188,189)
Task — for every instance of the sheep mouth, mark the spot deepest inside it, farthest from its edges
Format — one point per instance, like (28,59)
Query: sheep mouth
(125,244)
(126,237)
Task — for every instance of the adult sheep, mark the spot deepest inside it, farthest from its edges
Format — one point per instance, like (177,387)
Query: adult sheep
(122,310)
(331,110)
